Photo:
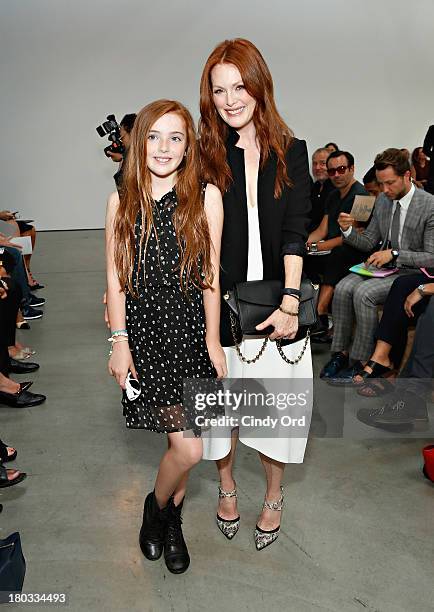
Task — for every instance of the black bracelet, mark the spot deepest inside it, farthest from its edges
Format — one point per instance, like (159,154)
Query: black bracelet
(292,292)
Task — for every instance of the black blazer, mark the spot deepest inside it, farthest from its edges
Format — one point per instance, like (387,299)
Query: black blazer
(283,222)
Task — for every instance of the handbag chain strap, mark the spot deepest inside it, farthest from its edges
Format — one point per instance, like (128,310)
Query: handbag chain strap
(237,346)
(264,344)
(300,356)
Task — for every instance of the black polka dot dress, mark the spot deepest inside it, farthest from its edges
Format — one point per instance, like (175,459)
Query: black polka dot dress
(166,331)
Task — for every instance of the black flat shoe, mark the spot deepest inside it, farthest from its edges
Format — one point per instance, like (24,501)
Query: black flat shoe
(338,362)
(345,377)
(4,456)
(152,532)
(377,371)
(22,367)
(22,399)
(4,480)
(22,325)
(175,549)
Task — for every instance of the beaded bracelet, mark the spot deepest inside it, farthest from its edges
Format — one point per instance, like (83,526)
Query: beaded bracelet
(288,312)
(114,341)
(119,332)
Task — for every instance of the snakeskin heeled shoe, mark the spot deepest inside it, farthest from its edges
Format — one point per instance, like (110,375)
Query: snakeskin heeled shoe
(228,527)
(265,538)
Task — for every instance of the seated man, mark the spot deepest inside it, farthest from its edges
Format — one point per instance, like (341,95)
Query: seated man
(321,187)
(331,268)
(371,184)
(407,405)
(404,219)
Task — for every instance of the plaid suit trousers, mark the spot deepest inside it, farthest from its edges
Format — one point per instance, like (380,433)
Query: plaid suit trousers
(355,300)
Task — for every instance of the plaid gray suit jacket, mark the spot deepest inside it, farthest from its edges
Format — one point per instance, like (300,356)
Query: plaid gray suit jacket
(417,242)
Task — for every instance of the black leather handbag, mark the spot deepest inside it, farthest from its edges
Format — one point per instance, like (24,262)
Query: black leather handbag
(252,302)
(12,565)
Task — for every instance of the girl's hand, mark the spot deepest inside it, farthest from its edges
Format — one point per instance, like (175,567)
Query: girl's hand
(120,362)
(106,317)
(218,359)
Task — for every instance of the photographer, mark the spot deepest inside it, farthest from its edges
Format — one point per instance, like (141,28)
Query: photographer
(125,127)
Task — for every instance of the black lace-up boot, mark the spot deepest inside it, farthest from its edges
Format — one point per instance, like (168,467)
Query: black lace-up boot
(153,528)
(175,549)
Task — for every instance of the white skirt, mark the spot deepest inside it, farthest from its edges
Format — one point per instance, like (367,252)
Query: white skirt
(286,449)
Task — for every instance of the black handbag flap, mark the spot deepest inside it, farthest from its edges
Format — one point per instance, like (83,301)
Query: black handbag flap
(258,292)
(268,293)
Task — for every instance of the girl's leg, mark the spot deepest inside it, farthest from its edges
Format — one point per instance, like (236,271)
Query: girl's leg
(270,519)
(162,524)
(182,455)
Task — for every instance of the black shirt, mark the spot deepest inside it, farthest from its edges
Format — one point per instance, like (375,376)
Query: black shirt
(335,205)
(319,194)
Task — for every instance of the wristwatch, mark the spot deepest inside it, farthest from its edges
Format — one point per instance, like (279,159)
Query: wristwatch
(395,254)
(421,290)
(314,247)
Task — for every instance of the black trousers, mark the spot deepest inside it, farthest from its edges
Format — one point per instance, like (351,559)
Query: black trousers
(417,374)
(332,268)
(8,316)
(394,324)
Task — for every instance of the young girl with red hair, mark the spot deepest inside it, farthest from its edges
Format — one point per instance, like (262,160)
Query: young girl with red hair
(163,248)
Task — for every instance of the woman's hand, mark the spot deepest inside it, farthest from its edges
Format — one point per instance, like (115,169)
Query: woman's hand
(218,358)
(285,326)
(411,300)
(120,362)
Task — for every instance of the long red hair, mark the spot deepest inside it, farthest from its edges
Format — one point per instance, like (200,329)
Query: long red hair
(272,132)
(136,195)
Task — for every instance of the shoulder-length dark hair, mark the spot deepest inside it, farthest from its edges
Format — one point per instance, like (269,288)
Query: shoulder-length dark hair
(136,195)
(272,132)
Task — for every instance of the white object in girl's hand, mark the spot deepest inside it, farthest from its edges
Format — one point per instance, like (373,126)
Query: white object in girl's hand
(132,387)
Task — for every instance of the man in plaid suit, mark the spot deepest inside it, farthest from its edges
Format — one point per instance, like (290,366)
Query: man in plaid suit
(403,220)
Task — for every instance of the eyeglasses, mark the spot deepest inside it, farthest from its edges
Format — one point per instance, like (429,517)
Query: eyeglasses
(339,170)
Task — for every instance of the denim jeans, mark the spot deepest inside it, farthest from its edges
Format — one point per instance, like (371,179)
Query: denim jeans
(19,274)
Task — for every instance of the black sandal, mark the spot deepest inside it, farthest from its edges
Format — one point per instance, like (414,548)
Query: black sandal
(4,480)
(378,371)
(376,388)
(4,456)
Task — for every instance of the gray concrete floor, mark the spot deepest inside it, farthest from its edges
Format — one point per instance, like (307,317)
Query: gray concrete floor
(357,529)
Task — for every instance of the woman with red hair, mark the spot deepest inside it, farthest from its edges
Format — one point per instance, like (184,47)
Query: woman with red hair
(261,169)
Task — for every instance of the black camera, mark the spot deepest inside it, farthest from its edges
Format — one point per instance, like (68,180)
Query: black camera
(111,127)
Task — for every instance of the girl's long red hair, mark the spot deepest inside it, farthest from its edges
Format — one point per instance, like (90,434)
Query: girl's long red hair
(272,132)
(136,195)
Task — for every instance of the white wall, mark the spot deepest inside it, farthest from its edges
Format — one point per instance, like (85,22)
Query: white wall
(356,72)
